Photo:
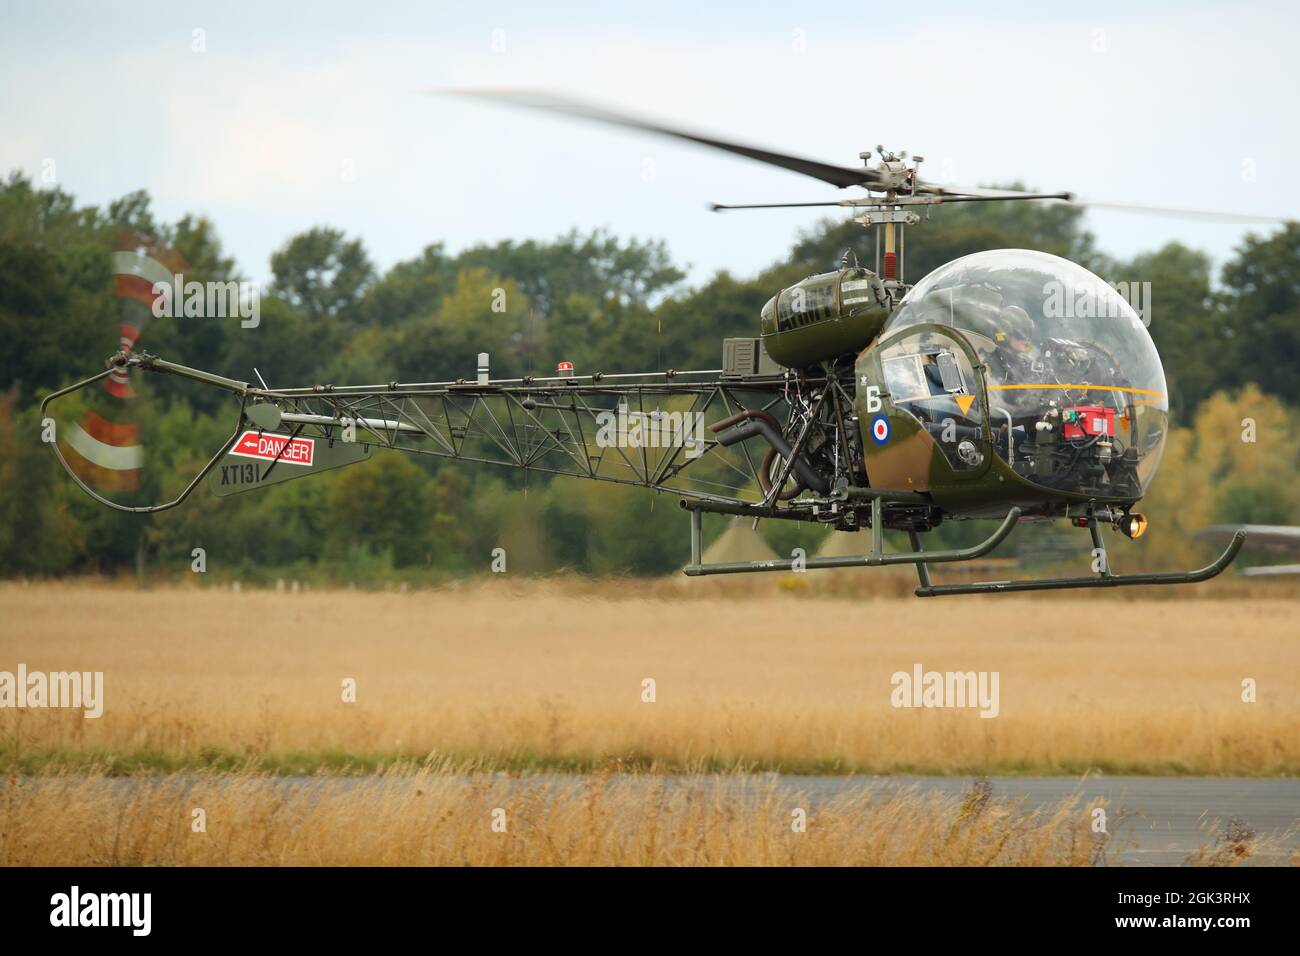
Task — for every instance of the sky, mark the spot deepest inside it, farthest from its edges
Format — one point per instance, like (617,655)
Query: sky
(270,119)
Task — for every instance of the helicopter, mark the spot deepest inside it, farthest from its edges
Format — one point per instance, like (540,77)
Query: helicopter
(1007,385)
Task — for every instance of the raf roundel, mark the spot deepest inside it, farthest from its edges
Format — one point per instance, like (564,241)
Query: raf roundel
(880,430)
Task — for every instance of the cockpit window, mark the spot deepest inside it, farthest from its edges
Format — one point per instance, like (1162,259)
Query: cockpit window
(904,378)
(1077,397)
(929,376)
(949,372)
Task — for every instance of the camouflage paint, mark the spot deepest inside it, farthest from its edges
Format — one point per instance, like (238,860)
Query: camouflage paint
(913,461)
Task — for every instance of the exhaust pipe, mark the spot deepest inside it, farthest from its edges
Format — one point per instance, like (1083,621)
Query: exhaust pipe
(750,423)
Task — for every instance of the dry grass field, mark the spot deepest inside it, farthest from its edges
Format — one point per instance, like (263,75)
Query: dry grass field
(549,674)
(439,815)
(443,814)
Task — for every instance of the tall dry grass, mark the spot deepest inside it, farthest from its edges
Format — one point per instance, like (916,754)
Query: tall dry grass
(536,674)
(439,816)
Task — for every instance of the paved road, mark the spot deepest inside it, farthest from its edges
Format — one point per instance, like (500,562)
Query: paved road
(1165,817)
(1172,815)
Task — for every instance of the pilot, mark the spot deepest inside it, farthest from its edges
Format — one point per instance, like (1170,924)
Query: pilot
(1016,354)
(1016,328)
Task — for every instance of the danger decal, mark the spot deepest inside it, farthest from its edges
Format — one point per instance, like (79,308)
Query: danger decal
(268,447)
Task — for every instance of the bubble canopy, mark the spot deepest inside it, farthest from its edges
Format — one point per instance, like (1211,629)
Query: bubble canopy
(1076,392)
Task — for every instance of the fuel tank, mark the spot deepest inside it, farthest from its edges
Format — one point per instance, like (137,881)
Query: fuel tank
(824,316)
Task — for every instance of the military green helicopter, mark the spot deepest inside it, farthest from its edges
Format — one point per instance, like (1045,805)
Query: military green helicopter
(1009,385)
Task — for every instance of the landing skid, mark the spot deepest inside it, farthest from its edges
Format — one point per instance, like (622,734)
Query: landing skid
(922,559)
(1103,579)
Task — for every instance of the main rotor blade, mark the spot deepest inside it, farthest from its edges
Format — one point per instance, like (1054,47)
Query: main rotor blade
(1074,200)
(1204,215)
(990,195)
(985,192)
(855,203)
(841,176)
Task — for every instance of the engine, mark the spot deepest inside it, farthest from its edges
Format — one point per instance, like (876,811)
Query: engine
(824,316)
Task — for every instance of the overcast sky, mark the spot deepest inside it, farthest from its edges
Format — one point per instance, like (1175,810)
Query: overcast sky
(290,117)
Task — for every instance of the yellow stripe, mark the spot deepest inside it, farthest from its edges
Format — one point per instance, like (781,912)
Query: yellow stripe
(1086,388)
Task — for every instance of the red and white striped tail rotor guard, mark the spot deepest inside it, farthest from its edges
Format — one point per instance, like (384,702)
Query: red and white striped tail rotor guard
(103,447)
(105,454)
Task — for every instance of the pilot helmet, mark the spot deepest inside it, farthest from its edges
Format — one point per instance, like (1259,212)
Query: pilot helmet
(1013,322)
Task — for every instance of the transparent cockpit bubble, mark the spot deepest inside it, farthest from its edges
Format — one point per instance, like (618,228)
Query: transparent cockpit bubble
(1076,392)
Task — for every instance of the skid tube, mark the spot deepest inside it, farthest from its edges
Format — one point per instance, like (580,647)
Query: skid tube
(877,556)
(1102,579)
(922,559)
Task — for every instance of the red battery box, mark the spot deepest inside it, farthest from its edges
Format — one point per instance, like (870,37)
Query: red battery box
(1085,421)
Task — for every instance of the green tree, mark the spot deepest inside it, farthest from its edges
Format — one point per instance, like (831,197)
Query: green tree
(1262,313)
(1187,322)
(383,505)
(482,313)
(322,273)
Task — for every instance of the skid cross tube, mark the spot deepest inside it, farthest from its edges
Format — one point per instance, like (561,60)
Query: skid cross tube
(1103,579)
(877,557)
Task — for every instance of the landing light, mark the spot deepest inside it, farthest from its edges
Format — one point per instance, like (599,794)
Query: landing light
(1133,526)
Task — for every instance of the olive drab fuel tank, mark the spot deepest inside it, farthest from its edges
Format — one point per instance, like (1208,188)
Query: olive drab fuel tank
(824,317)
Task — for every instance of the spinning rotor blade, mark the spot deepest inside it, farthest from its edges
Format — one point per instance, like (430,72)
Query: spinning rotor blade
(989,195)
(1204,215)
(986,192)
(946,198)
(954,194)
(841,176)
